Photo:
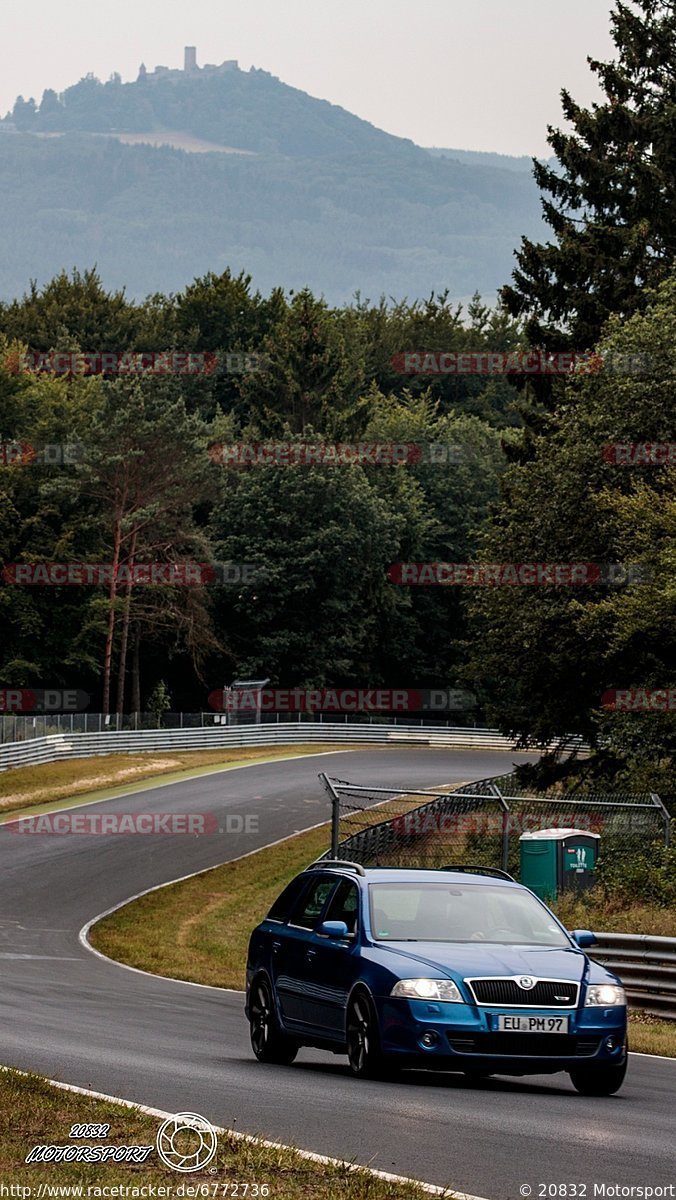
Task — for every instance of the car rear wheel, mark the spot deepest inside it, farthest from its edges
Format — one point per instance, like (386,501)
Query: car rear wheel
(268,1043)
(599,1081)
(363,1039)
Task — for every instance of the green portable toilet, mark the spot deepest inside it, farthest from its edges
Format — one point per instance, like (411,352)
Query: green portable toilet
(558,860)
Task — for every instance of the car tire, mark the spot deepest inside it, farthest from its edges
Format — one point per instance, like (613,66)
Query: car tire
(363,1038)
(598,1081)
(268,1042)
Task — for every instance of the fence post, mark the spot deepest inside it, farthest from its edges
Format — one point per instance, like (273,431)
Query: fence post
(505,825)
(666,817)
(505,839)
(335,813)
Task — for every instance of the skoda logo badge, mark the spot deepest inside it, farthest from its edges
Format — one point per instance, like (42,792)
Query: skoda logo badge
(526,982)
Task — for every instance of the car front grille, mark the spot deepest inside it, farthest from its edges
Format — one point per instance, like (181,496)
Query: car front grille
(525,1045)
(547,993)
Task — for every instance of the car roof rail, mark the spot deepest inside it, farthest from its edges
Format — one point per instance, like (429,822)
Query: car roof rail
(466,869)
(337,862)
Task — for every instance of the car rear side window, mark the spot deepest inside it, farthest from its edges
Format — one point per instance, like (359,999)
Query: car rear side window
(283,905)
(309,908)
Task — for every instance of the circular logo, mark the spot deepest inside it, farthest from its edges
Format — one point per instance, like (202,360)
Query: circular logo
(186,1142)
(526,982)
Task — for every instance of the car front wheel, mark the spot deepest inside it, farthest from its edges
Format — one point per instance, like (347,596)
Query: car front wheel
(268,1043)
(599,1081)
(363,1038)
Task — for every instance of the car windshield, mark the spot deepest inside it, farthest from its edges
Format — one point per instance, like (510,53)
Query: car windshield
(443,912)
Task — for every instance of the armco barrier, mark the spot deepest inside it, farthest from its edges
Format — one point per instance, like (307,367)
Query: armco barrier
(84,745)
(647,967)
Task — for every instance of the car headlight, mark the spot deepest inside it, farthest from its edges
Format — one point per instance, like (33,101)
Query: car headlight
(428,989)
(605,995)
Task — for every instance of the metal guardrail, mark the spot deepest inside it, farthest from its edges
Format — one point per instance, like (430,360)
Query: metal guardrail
(60,746)
(647,967)
(19,727)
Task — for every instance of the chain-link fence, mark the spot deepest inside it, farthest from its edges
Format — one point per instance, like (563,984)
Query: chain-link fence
(480,823)
(18,727)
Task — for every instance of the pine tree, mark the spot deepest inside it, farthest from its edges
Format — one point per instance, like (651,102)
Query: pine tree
(611,198)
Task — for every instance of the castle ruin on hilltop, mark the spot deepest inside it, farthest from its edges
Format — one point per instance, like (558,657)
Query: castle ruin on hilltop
(190,68)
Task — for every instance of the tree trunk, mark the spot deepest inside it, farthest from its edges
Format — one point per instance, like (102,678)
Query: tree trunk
(136,672)
(110,634)
(124,641)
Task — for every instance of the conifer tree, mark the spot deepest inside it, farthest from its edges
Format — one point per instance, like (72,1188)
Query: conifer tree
(611,197)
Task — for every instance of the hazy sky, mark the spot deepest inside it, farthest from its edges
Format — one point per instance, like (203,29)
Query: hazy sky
(474,74)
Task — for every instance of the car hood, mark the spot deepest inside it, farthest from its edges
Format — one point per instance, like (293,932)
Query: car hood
(461,960)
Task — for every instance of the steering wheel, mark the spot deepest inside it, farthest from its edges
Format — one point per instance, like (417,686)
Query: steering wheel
(480,936)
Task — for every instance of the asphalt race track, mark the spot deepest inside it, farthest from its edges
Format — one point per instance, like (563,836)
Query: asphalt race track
(75,1017)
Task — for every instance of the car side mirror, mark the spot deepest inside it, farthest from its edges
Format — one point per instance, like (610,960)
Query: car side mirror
(584,938)
(334,929)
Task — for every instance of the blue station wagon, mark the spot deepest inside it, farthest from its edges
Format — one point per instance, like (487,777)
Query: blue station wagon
(459,969)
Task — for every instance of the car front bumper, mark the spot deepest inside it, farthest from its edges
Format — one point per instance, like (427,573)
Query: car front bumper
(464,1037)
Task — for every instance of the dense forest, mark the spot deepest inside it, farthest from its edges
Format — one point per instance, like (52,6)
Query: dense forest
(545,468)
(324,535)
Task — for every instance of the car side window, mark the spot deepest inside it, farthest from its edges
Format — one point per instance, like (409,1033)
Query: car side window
(285,902)
(344,905)
(307,912)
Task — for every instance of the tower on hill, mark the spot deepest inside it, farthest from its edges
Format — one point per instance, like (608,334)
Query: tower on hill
(189,68)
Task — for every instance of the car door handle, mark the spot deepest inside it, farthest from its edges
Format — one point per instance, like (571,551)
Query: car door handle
(310,954)
(276,947)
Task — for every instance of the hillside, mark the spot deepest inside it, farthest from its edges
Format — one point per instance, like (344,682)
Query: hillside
(316,195)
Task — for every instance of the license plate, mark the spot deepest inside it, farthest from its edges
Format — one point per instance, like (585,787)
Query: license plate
(522,1024)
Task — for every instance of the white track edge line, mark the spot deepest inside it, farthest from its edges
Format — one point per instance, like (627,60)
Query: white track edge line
(83,935)
(645,1054)
(432,1188)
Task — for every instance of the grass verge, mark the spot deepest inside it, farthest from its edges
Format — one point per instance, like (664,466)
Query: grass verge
(42,1114)
(591,910)
(201,926)
(649,1035)
(92,778)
